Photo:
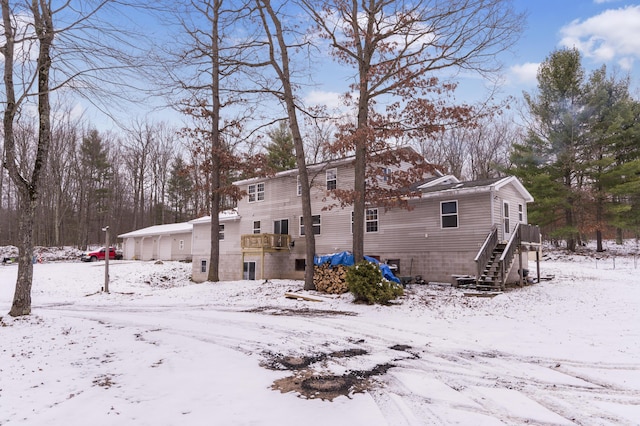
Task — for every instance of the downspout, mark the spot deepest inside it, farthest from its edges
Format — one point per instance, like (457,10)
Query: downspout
(492,206)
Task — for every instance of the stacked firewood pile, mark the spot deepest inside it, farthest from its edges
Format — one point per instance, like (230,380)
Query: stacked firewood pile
(329,279)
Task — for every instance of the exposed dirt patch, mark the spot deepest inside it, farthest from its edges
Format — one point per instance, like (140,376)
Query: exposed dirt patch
(104,381)
(347,353)
(306,312)
(403,348)
(307,383)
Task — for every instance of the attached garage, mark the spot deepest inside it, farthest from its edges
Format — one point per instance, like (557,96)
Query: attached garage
(158,242)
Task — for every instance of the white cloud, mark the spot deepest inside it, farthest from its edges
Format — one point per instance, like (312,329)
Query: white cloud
(604,1)
(612,35)
(329,99)
(525,73)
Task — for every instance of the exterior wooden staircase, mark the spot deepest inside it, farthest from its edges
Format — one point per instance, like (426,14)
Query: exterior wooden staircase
(490,278)
(495,259)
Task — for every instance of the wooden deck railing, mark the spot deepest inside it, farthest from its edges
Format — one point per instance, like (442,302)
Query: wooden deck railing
(265,241)
(523,233)
(529,234)
(484,254)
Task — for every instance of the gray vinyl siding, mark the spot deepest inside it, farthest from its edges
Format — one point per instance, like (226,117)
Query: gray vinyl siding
(415,238)
(509,194)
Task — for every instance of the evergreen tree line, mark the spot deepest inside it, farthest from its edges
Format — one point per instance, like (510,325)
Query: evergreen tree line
(580,155)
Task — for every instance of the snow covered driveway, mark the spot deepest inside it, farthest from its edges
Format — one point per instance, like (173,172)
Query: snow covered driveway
(160,350)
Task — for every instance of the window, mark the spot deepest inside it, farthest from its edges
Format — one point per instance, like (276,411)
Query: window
(298,186)
(371,220)
(505,214)
(256,226)
(352,214)
(256,192)
(316,224)
(386,174)
(394,264)
(203,266)
(449,214)
(221,232)
(332,179)
(281,227)
(181,245)
(520,213)
(300,264)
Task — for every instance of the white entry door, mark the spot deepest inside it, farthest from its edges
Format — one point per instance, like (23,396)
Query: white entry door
(506,221)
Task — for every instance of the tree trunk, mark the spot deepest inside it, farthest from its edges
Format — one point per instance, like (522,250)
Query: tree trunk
(22,295)
(281,66)
(28,189)
(214,260)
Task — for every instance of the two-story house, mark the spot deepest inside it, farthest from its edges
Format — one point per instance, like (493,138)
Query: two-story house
(453,228)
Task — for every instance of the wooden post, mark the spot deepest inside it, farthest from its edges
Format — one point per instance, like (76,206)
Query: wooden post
(107,252)
(538,260)
(521,271)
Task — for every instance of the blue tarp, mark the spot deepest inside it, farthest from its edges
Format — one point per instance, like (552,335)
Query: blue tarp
(346,258)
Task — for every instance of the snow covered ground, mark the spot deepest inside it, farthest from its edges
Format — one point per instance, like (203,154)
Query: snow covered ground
(160,350)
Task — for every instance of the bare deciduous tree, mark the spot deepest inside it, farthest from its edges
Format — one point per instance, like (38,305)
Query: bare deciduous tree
(396,49)
(280,62)
(88,55)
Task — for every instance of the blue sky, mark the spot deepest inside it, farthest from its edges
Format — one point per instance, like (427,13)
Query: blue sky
(605,31)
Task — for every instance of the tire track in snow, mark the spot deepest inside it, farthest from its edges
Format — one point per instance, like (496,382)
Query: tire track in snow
(553,384)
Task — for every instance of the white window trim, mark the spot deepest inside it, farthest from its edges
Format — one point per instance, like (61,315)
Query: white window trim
(386,174)
(506,219)
(377,221)
(298,186)
(300,225)
(256,192)
(335,178)
(258,228)
(457,214)
(520,213)
(221,231)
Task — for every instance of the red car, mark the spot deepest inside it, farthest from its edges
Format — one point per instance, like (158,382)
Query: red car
(98,254)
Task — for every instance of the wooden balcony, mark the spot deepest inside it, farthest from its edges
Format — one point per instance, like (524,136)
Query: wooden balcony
(265,242)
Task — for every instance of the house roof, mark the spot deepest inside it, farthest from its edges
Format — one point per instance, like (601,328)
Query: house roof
(167,229)
(454,187)
(312,167)
(224,216)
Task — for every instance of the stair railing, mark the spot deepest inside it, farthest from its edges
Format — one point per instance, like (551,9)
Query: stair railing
(484,254)
(508,254)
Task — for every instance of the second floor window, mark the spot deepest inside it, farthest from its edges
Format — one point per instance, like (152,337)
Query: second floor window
(221,232)
(298,187)
(316,224)
(332,179)
(256,226)
(449,214)
(256,192)
(386,174)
